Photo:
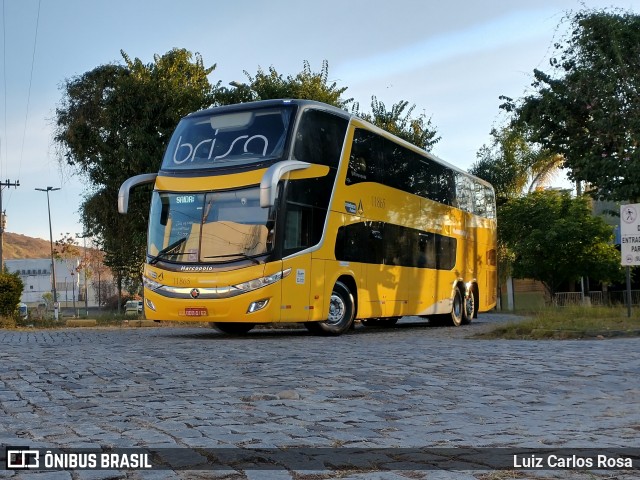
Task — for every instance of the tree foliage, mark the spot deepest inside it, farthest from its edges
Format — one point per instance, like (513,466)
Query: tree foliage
(114,122)
(307,85)
(399,121)
(555,239)
(10,291)
(310,85)
(587,108)
(514,166)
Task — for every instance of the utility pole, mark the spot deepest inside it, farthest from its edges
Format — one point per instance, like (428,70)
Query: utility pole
(3,216)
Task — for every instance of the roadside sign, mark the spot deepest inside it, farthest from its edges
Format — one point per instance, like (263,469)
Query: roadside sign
(630,234)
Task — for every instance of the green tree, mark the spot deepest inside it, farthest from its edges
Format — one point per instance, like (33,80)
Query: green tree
(307,85)
(555,239)
(514,166)
(587,108)
(311,85)
(399,121)
(11,287)
(114,122)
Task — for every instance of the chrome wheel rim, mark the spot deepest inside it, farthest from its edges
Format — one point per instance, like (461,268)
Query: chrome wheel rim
(337,309)
(471,305)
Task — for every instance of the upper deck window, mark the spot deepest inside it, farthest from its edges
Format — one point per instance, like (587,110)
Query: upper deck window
(229,139)
(319,138)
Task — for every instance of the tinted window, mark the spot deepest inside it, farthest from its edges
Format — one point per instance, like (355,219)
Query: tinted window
(319,138)
(360,242)
(398,162)
(365,162)
(215,140)
(377,159)
(464,192)
(378,243)
(307,203)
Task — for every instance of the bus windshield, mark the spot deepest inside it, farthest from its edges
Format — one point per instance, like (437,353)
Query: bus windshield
(212,227)
(230,138)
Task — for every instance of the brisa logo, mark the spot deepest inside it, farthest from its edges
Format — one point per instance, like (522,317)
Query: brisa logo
(22,458)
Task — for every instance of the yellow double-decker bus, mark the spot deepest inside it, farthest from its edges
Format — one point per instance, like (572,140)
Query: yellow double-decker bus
(296,211)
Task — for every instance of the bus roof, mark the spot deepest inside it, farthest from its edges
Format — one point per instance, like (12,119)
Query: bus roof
(336,111)
(273,103)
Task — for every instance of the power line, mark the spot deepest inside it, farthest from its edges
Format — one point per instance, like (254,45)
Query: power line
(4,73)
(33,60)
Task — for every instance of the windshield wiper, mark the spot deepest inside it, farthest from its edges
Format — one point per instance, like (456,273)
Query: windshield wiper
(167,250)
(239,254)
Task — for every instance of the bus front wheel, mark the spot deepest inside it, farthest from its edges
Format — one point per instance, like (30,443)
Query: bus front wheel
(341,313)
(233,328)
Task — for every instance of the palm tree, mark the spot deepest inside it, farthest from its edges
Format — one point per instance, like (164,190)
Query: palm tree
(513,166)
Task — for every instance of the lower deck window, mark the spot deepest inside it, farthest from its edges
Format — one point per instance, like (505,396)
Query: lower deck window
(388,244)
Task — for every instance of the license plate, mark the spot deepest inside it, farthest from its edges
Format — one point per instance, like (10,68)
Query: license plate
(195,312)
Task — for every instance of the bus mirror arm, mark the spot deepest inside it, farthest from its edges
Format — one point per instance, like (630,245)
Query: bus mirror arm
(128,184)
(270,179)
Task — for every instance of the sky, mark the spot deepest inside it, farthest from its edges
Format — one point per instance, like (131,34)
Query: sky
(451,59)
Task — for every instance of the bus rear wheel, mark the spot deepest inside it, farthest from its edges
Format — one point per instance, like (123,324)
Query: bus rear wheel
(456,316)
(341,313)
(470,306)
(233,328)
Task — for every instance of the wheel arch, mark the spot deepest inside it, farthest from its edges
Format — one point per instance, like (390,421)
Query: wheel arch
(350,283)
(459,284)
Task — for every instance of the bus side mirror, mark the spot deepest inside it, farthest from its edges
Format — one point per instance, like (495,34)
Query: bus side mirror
(270,179)
(125,188)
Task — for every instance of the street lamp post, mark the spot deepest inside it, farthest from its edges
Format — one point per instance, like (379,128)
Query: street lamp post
(53,267)
(84,268)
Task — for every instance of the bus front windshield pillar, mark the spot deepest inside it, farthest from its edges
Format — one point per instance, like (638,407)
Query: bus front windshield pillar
(269,183)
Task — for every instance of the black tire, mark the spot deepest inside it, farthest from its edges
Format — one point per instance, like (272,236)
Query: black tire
(470,307)
(457,309)
(380,322)
(455,318)
(341,313)
(233,328)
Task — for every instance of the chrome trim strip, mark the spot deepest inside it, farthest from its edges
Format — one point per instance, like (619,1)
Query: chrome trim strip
(205,293)
(214,293)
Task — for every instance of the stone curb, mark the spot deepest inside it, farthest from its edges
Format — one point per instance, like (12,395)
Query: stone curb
(80,323)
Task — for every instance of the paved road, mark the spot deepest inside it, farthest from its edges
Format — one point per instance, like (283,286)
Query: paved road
(410,386)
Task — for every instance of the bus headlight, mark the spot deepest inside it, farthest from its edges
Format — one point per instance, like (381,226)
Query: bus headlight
(150,284)
(262,282)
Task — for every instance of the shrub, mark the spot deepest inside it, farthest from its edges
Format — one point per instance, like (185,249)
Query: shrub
(10,290)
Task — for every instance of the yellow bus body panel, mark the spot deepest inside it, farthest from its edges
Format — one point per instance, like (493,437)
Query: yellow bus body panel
(303,295)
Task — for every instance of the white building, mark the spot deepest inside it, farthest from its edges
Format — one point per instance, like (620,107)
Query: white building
(36,276)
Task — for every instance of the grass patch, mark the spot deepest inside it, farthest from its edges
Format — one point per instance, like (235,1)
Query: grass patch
(103,319)
(570,323)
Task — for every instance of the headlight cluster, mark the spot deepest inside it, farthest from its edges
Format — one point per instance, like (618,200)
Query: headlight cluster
(150,284)
(262,282)
(215,292)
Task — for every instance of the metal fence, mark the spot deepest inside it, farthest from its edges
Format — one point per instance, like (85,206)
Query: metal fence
(605,299)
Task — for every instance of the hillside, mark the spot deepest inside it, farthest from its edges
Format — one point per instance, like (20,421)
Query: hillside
(17,246)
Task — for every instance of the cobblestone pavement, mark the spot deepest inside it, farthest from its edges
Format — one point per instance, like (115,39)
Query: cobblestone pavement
(408,386)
